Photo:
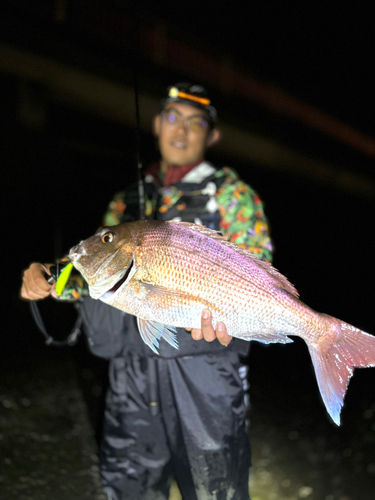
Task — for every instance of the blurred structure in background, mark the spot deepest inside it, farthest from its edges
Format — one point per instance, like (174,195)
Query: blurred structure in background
(83,55)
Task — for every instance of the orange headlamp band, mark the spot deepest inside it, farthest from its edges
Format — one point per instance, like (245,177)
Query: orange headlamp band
(201,100)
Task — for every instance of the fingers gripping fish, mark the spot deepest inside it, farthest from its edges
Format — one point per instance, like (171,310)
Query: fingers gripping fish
(165,273)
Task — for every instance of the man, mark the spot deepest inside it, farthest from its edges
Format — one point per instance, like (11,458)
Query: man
(181,414)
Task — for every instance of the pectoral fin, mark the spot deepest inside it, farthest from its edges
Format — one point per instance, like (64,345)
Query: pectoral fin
(151,332)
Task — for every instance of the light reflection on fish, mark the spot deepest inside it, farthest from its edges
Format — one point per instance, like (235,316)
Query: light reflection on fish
(166,273)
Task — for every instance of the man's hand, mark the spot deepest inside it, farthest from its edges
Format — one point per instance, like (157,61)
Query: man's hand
(207,330)
(34,285)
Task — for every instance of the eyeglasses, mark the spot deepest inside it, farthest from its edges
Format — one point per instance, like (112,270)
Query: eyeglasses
(173,120)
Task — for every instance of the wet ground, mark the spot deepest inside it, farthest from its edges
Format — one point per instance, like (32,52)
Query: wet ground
(297,451)
(51,402)
(47,445)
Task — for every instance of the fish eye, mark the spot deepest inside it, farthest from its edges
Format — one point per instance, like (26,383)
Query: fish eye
(107,237)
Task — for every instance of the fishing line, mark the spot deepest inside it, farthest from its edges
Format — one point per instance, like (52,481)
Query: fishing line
(70,340)
(60,274)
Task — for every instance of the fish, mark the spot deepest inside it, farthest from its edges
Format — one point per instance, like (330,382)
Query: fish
(166,273)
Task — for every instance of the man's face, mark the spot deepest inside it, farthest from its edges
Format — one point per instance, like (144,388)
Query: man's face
(181,145)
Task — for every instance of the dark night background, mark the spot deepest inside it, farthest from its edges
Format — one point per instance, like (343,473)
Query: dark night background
(67,147)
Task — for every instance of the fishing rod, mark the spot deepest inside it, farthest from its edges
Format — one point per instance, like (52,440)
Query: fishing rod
(151,362)
(60,272)
(141,185)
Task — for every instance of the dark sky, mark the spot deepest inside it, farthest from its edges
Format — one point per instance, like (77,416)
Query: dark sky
(319,51)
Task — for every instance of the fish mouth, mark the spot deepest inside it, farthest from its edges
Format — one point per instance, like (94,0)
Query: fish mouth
(124,279)
(76,252)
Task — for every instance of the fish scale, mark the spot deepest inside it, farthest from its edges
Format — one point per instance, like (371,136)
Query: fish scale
(166,273)
(203,280)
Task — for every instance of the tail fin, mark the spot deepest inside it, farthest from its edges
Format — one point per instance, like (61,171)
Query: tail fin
(342,349)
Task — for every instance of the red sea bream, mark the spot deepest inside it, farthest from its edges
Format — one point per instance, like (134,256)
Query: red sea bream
(166,273)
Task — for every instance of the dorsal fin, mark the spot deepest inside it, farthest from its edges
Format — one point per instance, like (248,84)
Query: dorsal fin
(266,266)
